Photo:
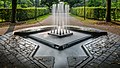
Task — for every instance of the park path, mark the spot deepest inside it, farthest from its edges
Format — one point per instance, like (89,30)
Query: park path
(73,21)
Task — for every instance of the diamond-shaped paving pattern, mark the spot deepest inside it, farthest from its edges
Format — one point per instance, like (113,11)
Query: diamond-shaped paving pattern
(18,52)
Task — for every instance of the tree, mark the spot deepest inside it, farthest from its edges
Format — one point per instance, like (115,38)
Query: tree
(108,11)
(14,5)
(33,2)
(72,2)
(4,3)
(95,3)
(49,3)
(25,3)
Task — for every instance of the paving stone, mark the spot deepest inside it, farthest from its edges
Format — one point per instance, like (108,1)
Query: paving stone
(102,58)
(74,61)
(93,64)
(111,59)
(107,53)
(104,65)
(19,49)
(112,49)
(49,61)
(88,66)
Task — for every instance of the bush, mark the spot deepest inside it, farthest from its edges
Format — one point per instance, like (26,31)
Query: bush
(22,13)
(5,14)
(24,6)
(95,12)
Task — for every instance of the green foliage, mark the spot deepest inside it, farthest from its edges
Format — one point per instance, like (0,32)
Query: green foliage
(49,3)
(24,6)
(72,2)
(40,18)
(25,14)
(95,12)
(24,3)
(22,13)
(5,3)
(5,14)
(95,3)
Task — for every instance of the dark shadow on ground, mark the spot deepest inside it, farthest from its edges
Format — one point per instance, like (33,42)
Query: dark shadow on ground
(11,28)
(115,23)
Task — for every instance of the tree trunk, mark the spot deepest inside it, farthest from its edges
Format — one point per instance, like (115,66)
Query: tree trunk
(14,5)
(4,4)
(108,11)
(84,9)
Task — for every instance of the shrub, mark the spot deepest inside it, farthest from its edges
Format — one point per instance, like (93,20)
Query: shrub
(22,13)
(96,12)
(5,14)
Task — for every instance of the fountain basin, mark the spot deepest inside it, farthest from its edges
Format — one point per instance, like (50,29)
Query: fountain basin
(65,49)
(42,35)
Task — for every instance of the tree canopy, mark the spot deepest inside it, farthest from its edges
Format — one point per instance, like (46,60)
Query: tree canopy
(49,3)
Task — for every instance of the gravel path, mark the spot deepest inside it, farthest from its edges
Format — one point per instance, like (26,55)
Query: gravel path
(73,21)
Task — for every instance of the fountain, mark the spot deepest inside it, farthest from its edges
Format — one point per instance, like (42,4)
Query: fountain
(60,14)
(59,36)
(62,41)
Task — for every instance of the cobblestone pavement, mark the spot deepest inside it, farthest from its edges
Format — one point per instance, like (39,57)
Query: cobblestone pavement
(17,52)
(105,51)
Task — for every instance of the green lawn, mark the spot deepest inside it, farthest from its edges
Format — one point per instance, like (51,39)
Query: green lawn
(41,18)
(86,21)
(1,20)
(31,21)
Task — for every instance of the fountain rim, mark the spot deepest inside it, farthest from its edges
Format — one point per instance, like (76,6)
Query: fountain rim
(51,26)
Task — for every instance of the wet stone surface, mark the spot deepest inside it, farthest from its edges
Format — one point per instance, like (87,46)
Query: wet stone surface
(17,52)
(107,55)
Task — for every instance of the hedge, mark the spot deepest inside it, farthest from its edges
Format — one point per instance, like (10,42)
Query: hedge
(95,12)
(23,13)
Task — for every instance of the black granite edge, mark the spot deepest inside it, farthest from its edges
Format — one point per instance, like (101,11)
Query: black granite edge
(50,44)
(34,51)
(23,33)
(72,43)
(41,63)
(90,57)
(60,47)
(38,63)
(60,36)
(78,62)
(93,33)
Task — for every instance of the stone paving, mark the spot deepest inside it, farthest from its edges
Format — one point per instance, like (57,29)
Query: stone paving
(17,52)
(105,51)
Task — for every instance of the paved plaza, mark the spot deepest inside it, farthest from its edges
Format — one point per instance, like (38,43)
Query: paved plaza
(24,52)
(19,52)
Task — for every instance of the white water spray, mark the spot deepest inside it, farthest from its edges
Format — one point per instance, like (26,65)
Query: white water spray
(60,14)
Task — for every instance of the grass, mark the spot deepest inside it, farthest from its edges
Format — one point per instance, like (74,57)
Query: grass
(32,8)
(33,21)
(1,20)
(86,21)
